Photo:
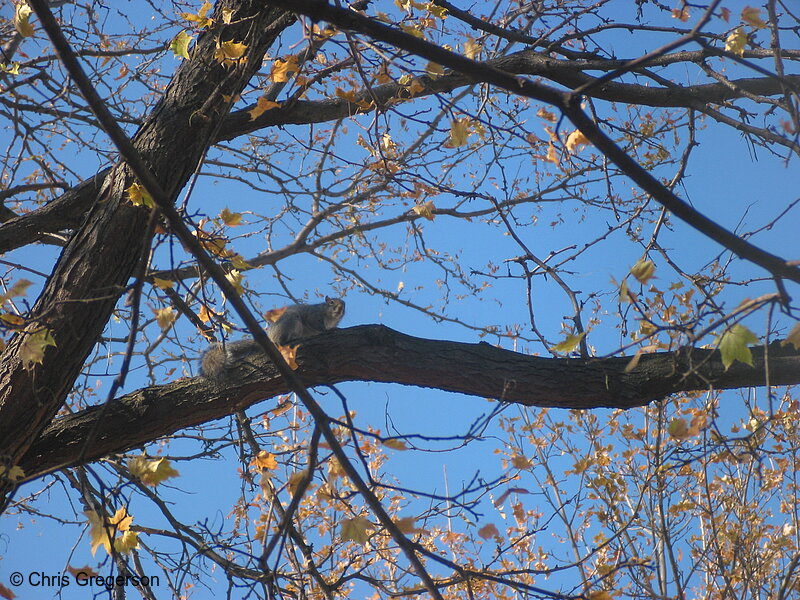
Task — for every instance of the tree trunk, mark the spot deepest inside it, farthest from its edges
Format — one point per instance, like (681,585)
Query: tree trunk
(95,267)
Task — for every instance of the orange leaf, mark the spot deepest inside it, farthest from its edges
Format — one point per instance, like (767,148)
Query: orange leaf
(265,460)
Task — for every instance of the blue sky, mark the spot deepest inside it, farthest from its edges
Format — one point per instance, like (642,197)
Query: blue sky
(726,179)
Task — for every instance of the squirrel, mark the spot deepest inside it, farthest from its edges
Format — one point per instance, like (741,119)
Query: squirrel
(298,322)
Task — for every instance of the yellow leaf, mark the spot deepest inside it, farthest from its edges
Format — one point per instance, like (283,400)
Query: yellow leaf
(262,106)
(625,295)
(678,429)
(180,44)
(411,84)
(206,314)
(643,270)
(227,15)
(34,346)
(84,569)
(459,132)
(733,345)
(290,356)
(151,471)
(570,343)
(395,444)
(382,76)
(126,542)
(329,31)
(521,462)
(265,460)
(238,262)
(138,196)
(752,16)
(349,95)
(335,469)
(12,70)
(425,210)
(472,49)
(327,492)
(101,533)
(22,13)
(736,41)
(388,145)
(552,154)
(215,245)
(165,317)
(235,278)
(200,18)
(575,140)
(231,219)
(409,4)
(229,52)
(355,530)
(282,68)
(163,284)
(439,11)
(489,532)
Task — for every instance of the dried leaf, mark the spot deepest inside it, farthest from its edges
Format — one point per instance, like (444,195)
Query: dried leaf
(262,106)
(643,270)
(265,460)
(575,141)
(22,13)
(489,532)
(736,41)
(151,471)
(425,210)
(229,52)
(752,16)
(355,530)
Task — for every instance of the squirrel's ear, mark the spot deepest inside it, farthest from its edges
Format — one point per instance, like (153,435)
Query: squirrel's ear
(328,300)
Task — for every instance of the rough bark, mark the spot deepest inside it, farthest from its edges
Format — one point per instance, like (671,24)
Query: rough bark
(377,353)
(94,268)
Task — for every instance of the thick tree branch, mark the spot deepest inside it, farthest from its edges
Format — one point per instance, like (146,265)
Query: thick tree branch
(68,210)
(570,74)
(377,353)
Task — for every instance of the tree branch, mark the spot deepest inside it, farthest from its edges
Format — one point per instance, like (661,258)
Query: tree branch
(379,354)
(67,211)
(569,105)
